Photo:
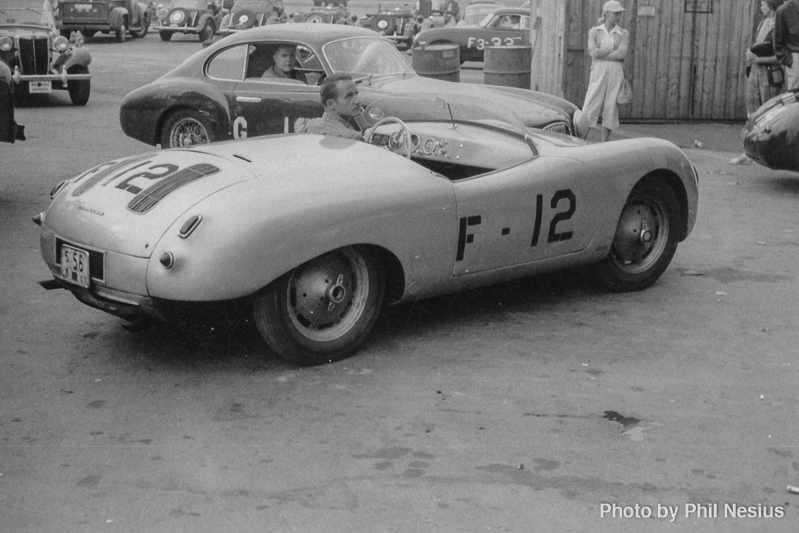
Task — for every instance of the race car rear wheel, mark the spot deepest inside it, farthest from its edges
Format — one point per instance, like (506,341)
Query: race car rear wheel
(645,240)
(79,90)
(186,127)
(322,311)
(165,36)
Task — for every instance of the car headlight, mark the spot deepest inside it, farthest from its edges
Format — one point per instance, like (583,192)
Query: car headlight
(60,44)
(6,44)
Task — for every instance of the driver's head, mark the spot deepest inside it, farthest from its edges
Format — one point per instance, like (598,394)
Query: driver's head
(284,60)
(339,95)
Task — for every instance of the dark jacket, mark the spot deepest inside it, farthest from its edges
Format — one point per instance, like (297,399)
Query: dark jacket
(786,32)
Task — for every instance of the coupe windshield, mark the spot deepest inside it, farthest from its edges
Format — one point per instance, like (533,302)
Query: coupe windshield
(365,56)
(472,109)
(24,16)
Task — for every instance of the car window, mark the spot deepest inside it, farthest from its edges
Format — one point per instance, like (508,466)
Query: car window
(229,64)
(365,56)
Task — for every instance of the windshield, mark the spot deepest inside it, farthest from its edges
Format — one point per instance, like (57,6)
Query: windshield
(189,4)
(26,16)
(472,109)
(253,5)
(476,14)
(365,56)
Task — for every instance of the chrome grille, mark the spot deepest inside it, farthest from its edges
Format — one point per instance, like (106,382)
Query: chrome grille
(33,55)
(558,127)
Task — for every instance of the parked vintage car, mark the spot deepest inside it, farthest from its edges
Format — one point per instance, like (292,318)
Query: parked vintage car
(509,26)
(246,14)
(335,3)
(10,131)
(40,59)
(771,135)
(218,93)
(199,17)
(396,20)
(106,16)
(310,234)
(323,14)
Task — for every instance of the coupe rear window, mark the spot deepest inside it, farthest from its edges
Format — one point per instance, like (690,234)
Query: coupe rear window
(229,64)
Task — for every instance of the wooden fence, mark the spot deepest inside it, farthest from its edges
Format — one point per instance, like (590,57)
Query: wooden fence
(686,58)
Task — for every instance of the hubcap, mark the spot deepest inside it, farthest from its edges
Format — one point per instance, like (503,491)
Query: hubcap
(640,236)
(327,296)
(188,132)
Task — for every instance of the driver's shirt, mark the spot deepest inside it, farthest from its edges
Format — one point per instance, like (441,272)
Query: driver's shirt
(328,124)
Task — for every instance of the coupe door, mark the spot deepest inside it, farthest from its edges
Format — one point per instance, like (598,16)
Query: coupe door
(541,209)
(265,106)
(262,106)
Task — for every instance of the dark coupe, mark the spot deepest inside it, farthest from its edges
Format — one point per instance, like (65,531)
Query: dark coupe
(218,92)
(771,135)
(509,26)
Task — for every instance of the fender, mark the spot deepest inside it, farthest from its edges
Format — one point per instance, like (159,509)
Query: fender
(203,19)
(76,56)
(146,106)
(117,17)
(141,14)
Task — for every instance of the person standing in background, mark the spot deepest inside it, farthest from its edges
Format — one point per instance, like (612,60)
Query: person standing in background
(759,58)
(607,46)
(786,41)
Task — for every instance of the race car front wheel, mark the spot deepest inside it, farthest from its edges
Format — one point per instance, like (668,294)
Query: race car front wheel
(645,240)
(322,311)
(186,127)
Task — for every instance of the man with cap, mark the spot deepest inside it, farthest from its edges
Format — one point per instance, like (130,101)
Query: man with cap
(607,46)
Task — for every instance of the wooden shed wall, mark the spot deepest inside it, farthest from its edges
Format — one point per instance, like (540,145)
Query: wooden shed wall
(686,57)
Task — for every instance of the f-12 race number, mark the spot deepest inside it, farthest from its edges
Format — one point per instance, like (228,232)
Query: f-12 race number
(560,216)
(563,201)
(474,42)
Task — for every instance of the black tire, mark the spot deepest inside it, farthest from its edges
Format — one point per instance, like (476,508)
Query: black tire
(646,238)
(186,127)
(165,36)
(79,90)
(145,27)
(384,24)
(207,32)
(324,310)
(122,33)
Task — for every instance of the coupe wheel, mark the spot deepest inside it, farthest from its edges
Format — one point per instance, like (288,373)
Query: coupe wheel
(645,240)
(165,36)
(122,33)
(186,127)
(322,311)
(79,90)
(207,32)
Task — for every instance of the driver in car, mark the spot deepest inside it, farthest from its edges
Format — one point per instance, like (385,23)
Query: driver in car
(339,95)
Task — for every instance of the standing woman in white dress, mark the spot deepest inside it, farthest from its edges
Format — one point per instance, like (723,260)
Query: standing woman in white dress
(607,46)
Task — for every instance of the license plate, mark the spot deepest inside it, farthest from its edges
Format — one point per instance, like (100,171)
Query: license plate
(40,87)
(75,266)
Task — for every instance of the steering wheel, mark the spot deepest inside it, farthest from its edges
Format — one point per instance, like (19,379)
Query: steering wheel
(396,141)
